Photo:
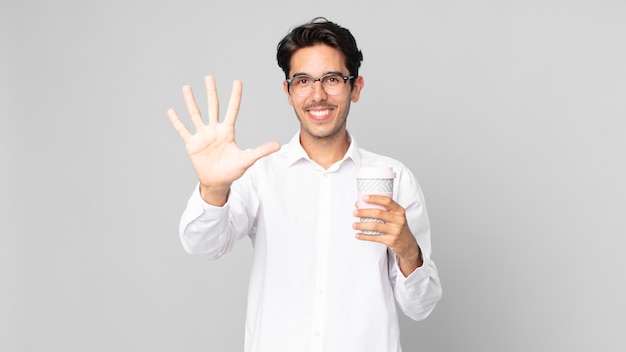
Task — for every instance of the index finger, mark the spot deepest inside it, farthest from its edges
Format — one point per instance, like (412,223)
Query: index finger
(379,199)
(234,103)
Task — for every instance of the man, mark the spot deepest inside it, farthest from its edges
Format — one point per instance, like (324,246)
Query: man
(314,285)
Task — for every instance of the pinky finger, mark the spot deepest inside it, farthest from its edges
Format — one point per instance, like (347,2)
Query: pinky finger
(178,125)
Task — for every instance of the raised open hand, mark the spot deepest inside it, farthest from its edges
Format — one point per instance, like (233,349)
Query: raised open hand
(214,154)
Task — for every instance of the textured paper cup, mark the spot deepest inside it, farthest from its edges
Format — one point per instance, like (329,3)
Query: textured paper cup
(374,180)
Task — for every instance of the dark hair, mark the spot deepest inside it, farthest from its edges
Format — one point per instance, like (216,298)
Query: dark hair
(319,31)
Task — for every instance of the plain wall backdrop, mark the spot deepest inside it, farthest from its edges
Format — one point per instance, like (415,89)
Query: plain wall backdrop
(511,114)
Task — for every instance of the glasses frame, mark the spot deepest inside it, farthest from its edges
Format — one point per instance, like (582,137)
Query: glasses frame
(313,80)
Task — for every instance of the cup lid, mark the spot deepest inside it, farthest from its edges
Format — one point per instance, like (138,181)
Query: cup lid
(376,172)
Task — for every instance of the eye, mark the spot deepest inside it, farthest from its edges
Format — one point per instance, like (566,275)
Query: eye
(301,80)
(333,79)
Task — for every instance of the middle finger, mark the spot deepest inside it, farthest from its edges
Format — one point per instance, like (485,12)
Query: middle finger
(214,105)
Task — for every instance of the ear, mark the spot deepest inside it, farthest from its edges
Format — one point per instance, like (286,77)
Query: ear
(356,90)
(286,89)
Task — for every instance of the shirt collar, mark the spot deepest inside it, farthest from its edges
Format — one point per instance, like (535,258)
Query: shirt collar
(295,152)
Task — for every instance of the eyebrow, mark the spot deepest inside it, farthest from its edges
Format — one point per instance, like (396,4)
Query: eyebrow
(327,73)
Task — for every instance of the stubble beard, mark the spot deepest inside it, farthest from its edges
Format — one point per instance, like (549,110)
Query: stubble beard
(335,132)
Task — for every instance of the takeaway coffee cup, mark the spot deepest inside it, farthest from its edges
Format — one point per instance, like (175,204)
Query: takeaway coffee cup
(374,180)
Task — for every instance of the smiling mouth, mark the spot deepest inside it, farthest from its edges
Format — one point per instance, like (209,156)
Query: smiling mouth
(320,113)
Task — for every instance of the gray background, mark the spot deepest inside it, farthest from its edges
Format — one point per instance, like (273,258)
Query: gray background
(511,114)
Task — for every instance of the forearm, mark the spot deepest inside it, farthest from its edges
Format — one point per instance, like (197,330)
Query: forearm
(418,294)
(207,230)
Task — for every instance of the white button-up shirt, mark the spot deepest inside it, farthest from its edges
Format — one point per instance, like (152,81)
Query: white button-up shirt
(313,285)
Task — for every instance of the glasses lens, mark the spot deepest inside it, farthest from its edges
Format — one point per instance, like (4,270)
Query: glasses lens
(332,84)
(301,85)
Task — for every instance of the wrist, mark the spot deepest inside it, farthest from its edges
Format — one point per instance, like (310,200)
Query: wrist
(408,264)
(214,195)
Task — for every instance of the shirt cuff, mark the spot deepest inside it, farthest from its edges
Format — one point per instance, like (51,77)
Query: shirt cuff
(411,282)
(199,210)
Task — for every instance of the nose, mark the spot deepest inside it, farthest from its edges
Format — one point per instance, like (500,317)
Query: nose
(318,94)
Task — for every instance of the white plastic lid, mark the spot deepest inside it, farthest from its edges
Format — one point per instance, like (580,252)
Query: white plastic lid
(379,172)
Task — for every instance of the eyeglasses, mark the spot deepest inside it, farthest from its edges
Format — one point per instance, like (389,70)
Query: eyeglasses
(332,83)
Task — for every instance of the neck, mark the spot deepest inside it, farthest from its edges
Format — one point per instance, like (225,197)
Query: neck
(325,151)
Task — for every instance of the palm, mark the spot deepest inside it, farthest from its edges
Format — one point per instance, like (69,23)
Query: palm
(215,156)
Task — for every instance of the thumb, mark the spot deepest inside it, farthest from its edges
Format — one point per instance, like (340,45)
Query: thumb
(262,151)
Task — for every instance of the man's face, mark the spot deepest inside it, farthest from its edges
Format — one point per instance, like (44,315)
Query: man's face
(322,115)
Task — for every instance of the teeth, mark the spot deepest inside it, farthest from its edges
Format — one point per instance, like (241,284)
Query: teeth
(320,113)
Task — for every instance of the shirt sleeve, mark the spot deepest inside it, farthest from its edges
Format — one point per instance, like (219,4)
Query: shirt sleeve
(418,294)
(209,231)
